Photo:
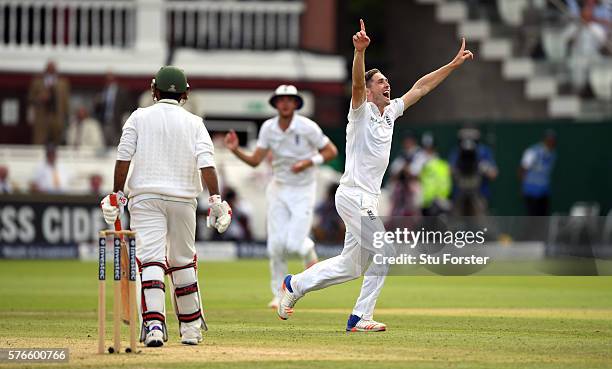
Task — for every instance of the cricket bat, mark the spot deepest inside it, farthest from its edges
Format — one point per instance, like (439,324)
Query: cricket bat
(125,297)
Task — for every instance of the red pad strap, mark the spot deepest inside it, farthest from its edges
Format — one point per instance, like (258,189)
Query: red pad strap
(187,290)
(152,315)
(186,318)
(174,269)
(154,284)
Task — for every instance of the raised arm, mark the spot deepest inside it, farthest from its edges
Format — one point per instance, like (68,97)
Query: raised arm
(361,42)
(254,159)
(430,81)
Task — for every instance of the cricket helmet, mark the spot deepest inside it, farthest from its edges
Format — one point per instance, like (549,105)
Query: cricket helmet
(286,90)
(171,79)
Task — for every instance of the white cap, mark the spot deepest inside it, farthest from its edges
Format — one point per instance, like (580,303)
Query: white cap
(286,90)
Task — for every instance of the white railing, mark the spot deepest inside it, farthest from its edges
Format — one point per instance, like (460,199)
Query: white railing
(257,25)
(67,23)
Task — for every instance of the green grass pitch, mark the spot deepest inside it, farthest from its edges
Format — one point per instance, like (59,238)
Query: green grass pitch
(434,322)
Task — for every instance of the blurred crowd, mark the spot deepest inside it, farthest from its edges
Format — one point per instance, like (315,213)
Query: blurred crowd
(51,177)
(583,37)
(95,124)
(574,33)
(421,181)
(424,184)
(587,34)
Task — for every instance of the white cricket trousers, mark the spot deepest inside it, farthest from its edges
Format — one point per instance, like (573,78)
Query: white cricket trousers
(165,241)
(165,229)
(358,210)
(290,211)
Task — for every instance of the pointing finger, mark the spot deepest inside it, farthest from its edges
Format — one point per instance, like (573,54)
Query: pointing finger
(362,25)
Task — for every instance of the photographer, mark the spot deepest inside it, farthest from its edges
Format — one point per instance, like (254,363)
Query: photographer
(473,168)
(435,178)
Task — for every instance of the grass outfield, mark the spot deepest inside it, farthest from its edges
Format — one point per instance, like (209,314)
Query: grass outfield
(434,322)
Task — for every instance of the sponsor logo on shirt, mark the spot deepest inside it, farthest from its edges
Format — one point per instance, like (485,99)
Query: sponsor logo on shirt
(371,214)
(376,120)
(388,121)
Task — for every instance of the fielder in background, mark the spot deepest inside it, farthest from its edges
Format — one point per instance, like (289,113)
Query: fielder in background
(172,154)
(369,132)
(298,145)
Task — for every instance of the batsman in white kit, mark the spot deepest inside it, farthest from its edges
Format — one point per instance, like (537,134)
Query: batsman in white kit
(371,119)
(297,145)
(171,154)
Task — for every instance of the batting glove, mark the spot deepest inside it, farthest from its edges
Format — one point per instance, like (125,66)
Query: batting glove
(219,214)
(111,212)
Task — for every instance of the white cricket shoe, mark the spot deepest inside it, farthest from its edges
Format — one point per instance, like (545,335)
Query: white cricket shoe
(155,336)
(191,335)
(273,304)
(357,324)
(287,300)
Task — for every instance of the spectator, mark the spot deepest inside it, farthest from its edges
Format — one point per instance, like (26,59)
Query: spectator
(422,156)
(410,149)
(50,176)
(588,37)
(329,227)
(95,185)
(536,168)
(530,42)
(240,228)
(436,183)
(6,186)
(84,131)
(473,168)
(601,10)
(111,105)
(405,184)
(49,100)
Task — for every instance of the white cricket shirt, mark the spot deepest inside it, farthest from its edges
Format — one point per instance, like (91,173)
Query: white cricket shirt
(301,140)
(368,144)
(167,146)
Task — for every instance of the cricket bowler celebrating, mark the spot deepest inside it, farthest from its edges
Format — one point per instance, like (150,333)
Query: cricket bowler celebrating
(297,145)
(368,143)
(172,154)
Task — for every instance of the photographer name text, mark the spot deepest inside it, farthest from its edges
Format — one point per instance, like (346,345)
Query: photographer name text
(423,259)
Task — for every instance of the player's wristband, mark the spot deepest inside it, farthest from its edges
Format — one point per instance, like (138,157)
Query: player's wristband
(317,159)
